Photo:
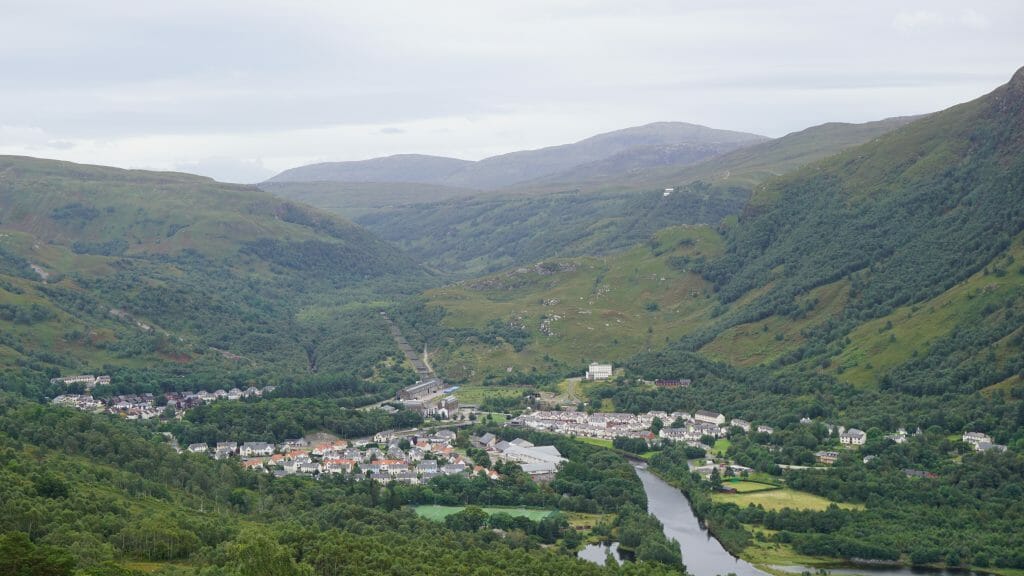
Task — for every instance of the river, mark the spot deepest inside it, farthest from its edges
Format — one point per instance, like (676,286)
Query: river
(704,556)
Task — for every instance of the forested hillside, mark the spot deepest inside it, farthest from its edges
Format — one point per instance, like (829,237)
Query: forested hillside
(891,226)
(483,234)
(157,271)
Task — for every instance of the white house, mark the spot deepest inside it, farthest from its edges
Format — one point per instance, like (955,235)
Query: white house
(741,424)
(853,437)
(709,417)
(599,371)
(976,438)
(256,449)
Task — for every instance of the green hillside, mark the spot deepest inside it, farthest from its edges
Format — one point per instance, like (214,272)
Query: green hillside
(891,266)
(896,222)
(140,269)
(473,236)
(355,199)
(563,314)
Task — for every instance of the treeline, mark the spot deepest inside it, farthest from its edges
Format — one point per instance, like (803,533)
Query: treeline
(965,514)
(278,419)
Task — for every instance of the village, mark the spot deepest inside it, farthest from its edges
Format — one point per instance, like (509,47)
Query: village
(410,457)
(145,406)
(416,456)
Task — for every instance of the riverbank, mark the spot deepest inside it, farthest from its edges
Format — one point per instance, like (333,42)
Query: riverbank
(703,555)
(780,559)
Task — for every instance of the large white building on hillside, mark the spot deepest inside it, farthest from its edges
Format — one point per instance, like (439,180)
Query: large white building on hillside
(599,371)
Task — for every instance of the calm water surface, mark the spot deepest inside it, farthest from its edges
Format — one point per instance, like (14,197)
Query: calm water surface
(704,556)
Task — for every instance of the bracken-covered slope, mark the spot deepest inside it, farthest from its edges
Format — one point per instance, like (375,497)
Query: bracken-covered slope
(107,266)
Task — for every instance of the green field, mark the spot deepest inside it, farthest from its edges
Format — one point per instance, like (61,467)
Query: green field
(596,442)
(438,513)
(746,486)
(476,394)
(765,554)
(779,499)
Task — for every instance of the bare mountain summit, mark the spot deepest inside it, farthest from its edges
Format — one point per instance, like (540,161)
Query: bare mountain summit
(640,145)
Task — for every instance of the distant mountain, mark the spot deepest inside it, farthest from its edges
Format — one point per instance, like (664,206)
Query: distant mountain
(744,167)
(629,163)
(408,168)
(599,213)
(106,266)
(517,167)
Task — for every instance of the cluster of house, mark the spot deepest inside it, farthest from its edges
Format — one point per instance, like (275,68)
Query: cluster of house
(131,406)
(609,425)
(426,457)
(693,429)
(88,380)
(145,406)
(704,423)
(540,462)
(982,442)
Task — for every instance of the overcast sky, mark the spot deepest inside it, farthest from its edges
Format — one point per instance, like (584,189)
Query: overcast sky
(242,90)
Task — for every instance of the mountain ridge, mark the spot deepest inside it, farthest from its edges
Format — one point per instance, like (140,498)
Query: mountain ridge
(511,168)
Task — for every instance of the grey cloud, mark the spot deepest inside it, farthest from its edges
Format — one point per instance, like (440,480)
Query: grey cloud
(266,70)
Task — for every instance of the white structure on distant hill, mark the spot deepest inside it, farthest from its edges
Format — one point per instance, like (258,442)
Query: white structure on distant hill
(599,371)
